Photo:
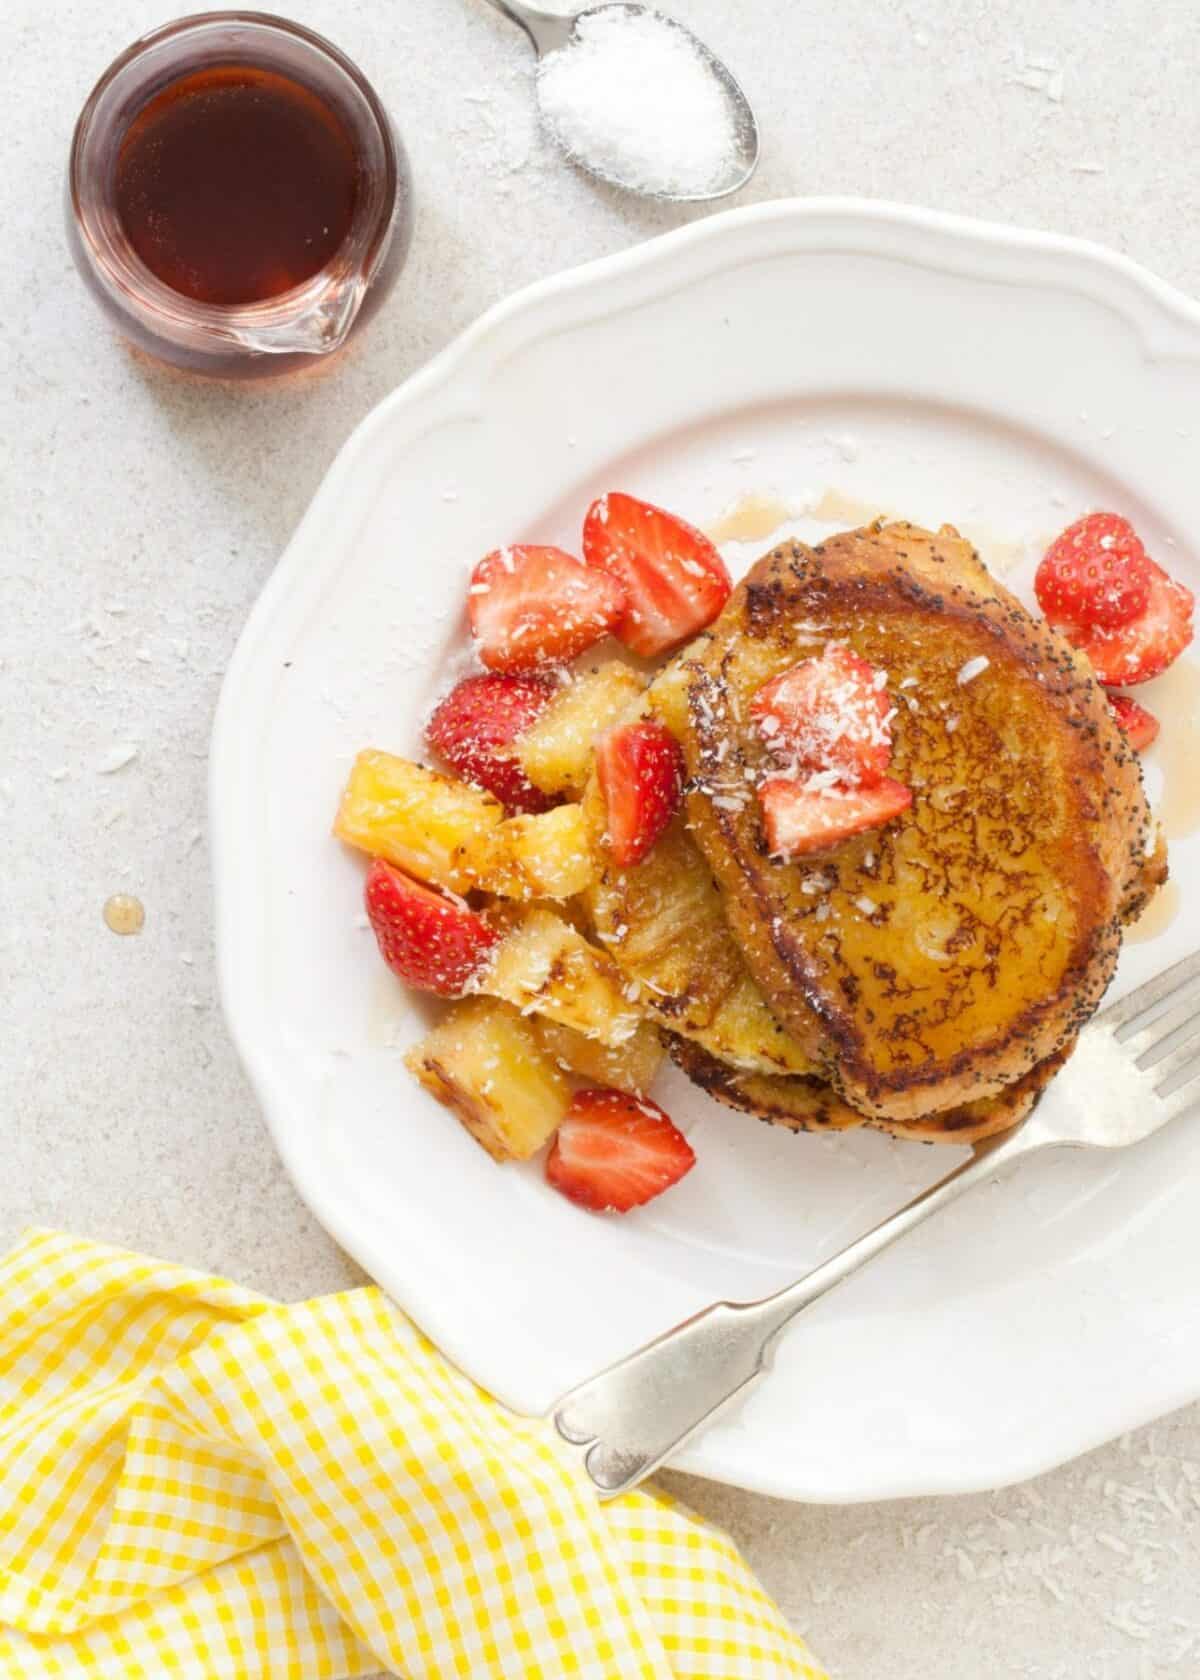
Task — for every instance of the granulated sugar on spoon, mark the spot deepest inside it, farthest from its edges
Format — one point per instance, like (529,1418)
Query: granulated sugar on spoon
(635,99)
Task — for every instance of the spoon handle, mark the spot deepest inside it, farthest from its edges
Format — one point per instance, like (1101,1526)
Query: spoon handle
(547,30)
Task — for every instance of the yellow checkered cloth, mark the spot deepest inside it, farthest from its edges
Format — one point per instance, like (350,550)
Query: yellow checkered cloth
(200,1484)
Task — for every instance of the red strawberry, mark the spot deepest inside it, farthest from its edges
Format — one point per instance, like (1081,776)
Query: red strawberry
(799,820)
(614,1152)
(1141,649)
(1096,573)
(673,579)
(830,713)
(474,729)
(640,768)
(534,606)
(432,942)
(1140,726)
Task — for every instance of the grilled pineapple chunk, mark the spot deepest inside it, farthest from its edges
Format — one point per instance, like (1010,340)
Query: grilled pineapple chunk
(443,831)
(556,751)
(484,1062)
(743,1033)
(665,927)
(628,1067)
(428,824)
(542,856)
(544,966)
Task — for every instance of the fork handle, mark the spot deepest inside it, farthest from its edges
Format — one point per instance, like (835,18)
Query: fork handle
(638,1412)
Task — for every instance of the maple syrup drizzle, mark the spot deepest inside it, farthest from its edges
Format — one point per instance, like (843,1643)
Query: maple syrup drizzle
(1157,916)
(1174,698)
(235,183)
(752,518)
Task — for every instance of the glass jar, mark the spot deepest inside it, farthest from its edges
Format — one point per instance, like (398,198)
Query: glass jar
(295,326)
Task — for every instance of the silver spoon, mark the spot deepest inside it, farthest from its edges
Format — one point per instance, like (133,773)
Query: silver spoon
(550,31)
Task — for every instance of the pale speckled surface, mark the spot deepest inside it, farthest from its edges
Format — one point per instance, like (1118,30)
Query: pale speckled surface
(142,513)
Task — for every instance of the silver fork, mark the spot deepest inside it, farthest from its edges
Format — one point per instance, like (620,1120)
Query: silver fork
(1136,1066)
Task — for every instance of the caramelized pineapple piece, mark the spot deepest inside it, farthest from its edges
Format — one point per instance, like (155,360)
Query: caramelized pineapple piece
(627,1067)
(556,752)
(484,1062)
(543,856)
(545,966)
(443,831)
(744,1034)
(427,824)
(664,924)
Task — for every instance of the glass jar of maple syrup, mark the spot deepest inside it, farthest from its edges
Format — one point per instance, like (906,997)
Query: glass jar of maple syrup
(236,198)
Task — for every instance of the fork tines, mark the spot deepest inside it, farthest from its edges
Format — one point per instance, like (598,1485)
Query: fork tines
(1160,1025)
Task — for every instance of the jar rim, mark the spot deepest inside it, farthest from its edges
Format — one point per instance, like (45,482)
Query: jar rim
(118,267)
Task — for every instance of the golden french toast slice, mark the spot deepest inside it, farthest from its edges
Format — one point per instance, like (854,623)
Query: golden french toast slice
(940,959)
(807,1104)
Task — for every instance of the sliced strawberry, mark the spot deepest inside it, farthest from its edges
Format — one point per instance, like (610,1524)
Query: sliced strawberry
(640,769)
(1135,652)
(673,579)
(614,1152)
(533,606)
(830,713)
(474,729)
(1096,573)
(1140,726)
(799,820)
(432,942)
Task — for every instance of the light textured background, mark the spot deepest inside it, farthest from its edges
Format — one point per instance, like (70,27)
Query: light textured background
(141,513)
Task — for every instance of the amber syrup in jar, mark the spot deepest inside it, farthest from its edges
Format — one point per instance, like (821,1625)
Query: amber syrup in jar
(237,199)
(235,184)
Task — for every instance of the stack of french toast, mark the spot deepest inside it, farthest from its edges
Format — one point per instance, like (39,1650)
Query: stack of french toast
(930,975)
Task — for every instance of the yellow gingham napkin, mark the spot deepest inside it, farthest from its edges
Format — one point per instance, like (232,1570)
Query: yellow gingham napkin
(200,1484)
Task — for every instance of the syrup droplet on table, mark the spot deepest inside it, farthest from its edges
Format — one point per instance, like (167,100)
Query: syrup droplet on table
(124,913)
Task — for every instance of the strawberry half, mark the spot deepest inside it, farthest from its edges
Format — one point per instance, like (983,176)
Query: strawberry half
(474,729)
(673,580)
(1134,652)
(614,1152)
(830,713)
(1140,726)
(532,606)
(640,770)
(799,820)
(432,942)
(1096,573)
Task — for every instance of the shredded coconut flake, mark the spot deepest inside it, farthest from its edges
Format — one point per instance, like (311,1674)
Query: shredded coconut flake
(116,758)
(972,669)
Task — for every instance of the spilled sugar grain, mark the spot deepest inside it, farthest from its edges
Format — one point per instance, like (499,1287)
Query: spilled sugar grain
(631,96)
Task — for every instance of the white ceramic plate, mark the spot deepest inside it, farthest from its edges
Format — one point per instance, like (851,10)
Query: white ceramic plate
(942,369)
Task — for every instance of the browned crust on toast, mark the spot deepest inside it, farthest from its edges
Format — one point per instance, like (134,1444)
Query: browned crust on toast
(809,1105)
